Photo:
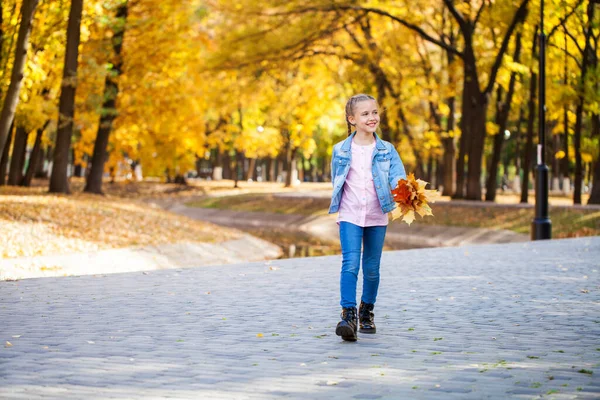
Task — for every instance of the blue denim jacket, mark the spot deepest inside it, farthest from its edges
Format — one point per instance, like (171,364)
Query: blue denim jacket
(387,169)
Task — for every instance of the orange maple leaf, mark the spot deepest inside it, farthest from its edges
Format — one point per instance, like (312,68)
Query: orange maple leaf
(412,197)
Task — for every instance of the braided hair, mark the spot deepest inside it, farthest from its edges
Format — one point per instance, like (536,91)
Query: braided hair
(350,107)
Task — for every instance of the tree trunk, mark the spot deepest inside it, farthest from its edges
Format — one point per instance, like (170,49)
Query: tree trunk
(595,194)
(6,154)
(11,98)
(565,161)
(226,165)
(35,157)
(109,108)
(46,157)
(474,105)
(1,36)
(577,146)
(518,139)
(475,150)
(236,169)
(268,169)
(464,142)
(556,172)
(58,181)
(491,184)
(290,164)
(197,164)
(313,170)
(528,151)
(588,56)
(449,163)
(502,113)
(429,173)
(250,173)
(17,159)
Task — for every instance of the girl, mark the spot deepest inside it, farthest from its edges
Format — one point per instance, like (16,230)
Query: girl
(364,169)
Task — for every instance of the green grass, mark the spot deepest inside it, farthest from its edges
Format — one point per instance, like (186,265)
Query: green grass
(566,221)
(266,203)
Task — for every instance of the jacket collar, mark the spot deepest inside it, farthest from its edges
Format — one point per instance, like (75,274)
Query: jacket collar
(348,142)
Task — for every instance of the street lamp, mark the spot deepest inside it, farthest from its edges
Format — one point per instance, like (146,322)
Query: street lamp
(541,227)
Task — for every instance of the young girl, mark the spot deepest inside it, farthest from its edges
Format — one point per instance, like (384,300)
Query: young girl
(364,170)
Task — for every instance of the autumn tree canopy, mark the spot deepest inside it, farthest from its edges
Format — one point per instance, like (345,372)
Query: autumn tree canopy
(257,89)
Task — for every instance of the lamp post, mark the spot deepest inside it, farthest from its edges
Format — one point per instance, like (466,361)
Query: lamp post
(541,227)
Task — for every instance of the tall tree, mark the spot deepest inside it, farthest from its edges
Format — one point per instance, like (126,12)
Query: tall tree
(474,98)
(109,109)
(6,155)
(528,150)
(17,159)
(587,59)
(11,98)
(502,113)
(36,156)
(448,142)
(58,181)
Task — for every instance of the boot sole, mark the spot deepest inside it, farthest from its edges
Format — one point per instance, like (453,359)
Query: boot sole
(346,333)
(369,331)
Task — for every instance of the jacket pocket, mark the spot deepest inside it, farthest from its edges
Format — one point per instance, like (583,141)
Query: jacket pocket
(340,164)
(383,162)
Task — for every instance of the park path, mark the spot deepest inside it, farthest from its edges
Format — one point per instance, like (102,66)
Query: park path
(325,228)
(517,320)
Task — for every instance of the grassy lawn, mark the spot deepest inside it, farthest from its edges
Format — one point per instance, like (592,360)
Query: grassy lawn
(566,221)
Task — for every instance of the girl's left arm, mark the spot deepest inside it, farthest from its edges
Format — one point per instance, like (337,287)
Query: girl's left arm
(396,168)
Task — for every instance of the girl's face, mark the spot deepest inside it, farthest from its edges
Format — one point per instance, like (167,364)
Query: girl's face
(365,117)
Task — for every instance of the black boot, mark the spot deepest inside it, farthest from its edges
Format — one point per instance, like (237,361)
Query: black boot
(367,318)
(347,327)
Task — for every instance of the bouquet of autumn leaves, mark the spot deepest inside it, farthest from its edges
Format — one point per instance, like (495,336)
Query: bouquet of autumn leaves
(412,197)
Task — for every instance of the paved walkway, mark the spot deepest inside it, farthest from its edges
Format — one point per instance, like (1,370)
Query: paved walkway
(519,320)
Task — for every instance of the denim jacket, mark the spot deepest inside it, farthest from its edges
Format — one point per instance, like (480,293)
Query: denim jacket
(387,169)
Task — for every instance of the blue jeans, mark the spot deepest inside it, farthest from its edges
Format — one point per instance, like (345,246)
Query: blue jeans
(352,237)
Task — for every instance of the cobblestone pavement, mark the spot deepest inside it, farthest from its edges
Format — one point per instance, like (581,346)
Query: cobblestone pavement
(518,320)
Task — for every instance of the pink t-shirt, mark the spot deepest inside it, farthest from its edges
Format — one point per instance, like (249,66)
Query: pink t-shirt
(359,204)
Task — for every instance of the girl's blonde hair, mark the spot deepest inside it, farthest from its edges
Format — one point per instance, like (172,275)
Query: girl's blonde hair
(350,107)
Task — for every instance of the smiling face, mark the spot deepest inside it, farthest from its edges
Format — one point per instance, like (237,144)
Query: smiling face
(365,116)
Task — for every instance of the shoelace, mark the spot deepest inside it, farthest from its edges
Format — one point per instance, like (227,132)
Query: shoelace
(350,315)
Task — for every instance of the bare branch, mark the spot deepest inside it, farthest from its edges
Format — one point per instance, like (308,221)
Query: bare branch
(564,19)
(455,13)
(573,38)
(479,13)
(353,37)
(566,53)
(401,21)
(518,17)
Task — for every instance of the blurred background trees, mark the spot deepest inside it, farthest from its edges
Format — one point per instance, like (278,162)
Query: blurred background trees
(256,90)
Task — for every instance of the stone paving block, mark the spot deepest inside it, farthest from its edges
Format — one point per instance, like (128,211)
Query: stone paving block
(482,321)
